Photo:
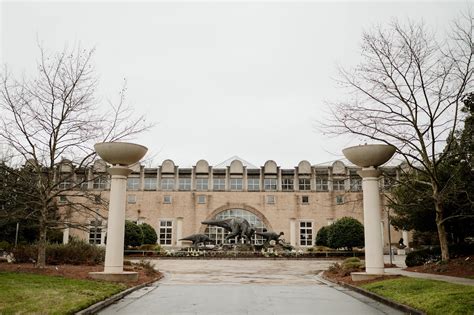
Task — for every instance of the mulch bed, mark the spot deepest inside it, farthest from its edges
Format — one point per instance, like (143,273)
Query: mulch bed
(456,267)
(348,279)
(78,271)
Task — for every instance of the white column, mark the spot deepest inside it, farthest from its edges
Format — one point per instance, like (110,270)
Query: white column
(66,235)
(293,232)
(405,238)
(179,231)
(372,218)
(116,219)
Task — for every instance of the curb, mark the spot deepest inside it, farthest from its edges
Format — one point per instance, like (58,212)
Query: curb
(401,307)
(95,308)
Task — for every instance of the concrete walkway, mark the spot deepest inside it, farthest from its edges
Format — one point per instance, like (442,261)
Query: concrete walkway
(245,287)
(399,260)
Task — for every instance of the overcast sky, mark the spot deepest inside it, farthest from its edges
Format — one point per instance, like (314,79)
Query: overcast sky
(220,79)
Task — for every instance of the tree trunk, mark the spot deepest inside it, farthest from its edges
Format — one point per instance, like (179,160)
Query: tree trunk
(41,262)
(443,240)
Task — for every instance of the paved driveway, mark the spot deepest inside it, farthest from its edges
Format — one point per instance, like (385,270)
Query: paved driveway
(244,287)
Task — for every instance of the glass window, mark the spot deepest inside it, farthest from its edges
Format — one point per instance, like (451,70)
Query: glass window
(339,200)
(95,232)
(201,199)
(167,199)
(270,199)
(305,200)
(338,185)
(306,233)
(165,235)
(185,183)
(270,184)
(356,183)
(65,184)
(62,199)
(100,182)
(304,184)
(82,182)
(202,183)
(219,184)
(131,198)
(167,183)
(287,184)
(149,183)
(236,184)
(253,184)
(321,184)
(133,183)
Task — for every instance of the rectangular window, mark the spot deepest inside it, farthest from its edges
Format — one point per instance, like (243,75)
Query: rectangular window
(356,183)
(201,199)
(253,184)
(62,199)
(270,184)
(338,185)
(219,184)
(236,184)
(167,184)
(100,182)
(202,184)
(321,184)
(287,184)
(97,199)
(65,184)
(305,200)
(149,183)
(82,182)
(271,199)
(95,232)
(133,183)
(165,235)
(304,184)
(306,233)
(339,200)
(167,199)
(131,198)
(185,183)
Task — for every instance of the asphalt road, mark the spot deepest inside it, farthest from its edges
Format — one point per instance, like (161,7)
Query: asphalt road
(244,287)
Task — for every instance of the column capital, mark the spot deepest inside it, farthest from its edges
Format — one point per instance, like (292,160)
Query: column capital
(367,172)
(118,170)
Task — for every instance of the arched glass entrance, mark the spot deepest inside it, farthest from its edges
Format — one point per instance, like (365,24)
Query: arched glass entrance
(218,234)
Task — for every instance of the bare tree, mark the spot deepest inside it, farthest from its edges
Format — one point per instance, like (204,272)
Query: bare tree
(54,115)
(407,92)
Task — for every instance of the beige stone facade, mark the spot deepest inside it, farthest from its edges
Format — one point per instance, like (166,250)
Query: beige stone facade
(297,201)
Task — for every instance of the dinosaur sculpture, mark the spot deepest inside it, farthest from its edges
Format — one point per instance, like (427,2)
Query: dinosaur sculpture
(236,226)
(270,236)
(197,239)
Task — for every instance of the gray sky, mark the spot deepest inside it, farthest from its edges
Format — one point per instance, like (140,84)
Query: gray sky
(220,79)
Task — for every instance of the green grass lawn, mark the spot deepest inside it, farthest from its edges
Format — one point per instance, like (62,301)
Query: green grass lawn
(430,296)
(29,293)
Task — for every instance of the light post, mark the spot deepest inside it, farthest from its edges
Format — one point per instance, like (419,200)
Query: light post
(120,155)
(369,157)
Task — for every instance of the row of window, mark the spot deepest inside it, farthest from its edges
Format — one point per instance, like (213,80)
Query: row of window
(237,184)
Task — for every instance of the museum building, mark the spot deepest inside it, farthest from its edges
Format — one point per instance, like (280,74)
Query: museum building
(175,200)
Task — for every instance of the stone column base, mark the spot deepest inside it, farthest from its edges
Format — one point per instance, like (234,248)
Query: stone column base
(125,276)
(361,276)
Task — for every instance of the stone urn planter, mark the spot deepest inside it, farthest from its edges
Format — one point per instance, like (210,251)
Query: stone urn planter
(369,154)
(121,153)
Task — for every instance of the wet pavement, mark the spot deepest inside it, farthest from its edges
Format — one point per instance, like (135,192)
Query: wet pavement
(244,287)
